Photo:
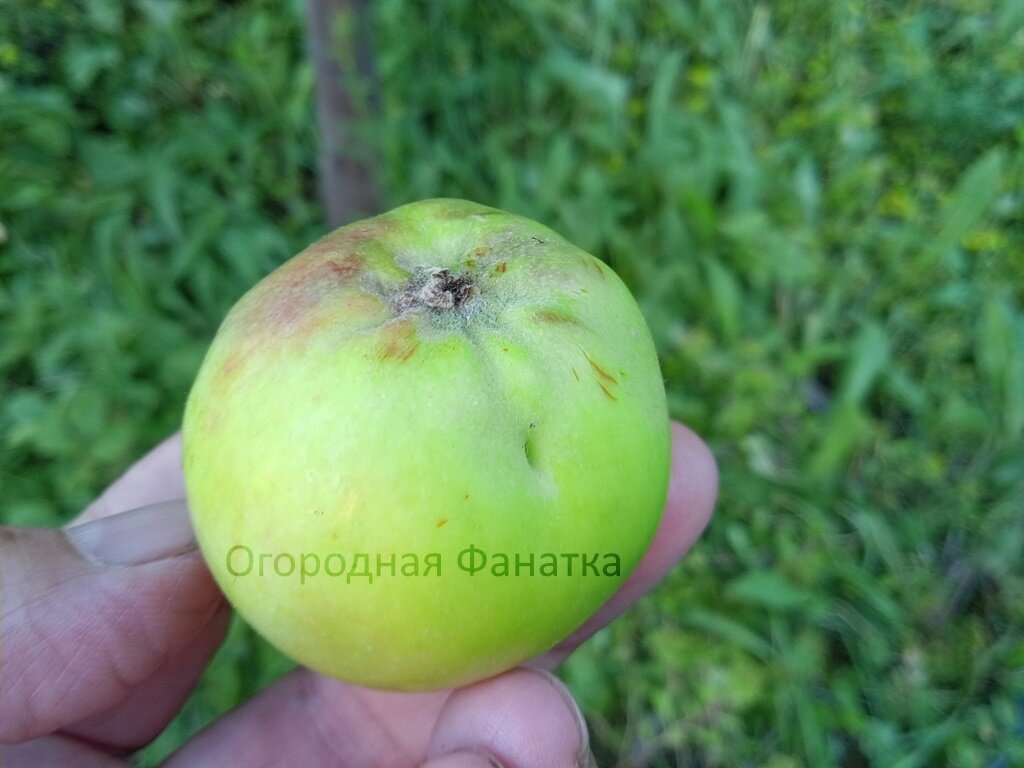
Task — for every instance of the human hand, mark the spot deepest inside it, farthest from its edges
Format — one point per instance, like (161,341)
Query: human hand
(108,625)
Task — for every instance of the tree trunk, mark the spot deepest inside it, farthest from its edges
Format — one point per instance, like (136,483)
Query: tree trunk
(347,185)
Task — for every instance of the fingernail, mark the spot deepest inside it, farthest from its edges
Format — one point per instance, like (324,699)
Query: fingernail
(584,757)
(463,759)
(135,537)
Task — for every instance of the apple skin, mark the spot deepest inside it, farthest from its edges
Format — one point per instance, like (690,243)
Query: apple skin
(441,376)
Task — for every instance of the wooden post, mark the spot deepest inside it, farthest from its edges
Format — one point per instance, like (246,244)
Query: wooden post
(347,185)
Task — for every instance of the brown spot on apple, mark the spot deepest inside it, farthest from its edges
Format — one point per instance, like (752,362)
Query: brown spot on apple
(594,264)
(601,372)
(553,316)
(289,301)
(232,364)
(607,391)
(398,341)
(442,522)
(289,293)
(345,268)
(232,367)
(365,231)
(501,267)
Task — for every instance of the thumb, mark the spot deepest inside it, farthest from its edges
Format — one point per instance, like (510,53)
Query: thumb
(91,613)
(520,718)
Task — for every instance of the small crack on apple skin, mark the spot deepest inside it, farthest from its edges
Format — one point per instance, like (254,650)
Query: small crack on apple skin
(604,379)
(607,391)
(601,372)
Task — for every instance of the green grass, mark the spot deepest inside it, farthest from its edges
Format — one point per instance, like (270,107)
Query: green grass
(820,207)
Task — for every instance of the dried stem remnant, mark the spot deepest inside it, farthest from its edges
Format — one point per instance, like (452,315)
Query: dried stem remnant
(436,289)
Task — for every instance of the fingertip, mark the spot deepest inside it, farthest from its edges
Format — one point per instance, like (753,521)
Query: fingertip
(692,492)
(139,536)
(156,477)
(525,717)
(693,484)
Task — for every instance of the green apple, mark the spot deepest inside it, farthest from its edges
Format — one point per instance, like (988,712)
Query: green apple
(428,447)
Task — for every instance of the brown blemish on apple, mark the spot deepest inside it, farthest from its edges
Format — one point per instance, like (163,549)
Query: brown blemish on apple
(232,367)
(442,522)
(368,229)
(347,267)
(575,372)
(310,293)
(325,246)
(595,265)
(291,292)
(606,391)
(553,316)
(288,303)
(601,372)
(501,267)
(340,252)
(483,249)
(603,378)
(398,341)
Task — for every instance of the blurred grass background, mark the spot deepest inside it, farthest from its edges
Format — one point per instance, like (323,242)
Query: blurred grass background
(820,207)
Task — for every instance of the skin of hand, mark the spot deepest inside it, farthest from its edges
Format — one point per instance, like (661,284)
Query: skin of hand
(108,624)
